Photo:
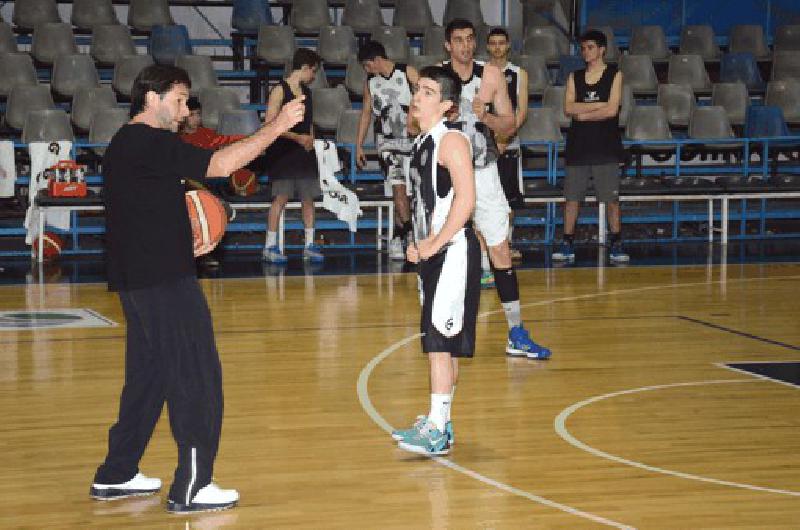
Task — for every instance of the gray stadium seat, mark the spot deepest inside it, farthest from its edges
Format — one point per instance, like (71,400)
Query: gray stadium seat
(16,69)
(51,39)
(710,122)
(275,44)
(536,68)
(649,123)
(626,104)
(86,14)
(612,50)
(47,125)
(354,77)
(733,98)
(347,128)
(200,70)
(639,74)
(678,103)
(26,98)
(689,70)
(787,38)
(433,42)
(542,124)
(421,61)
(553,98)
(87,102)
(104,125)
(110,42)
(649,40)
(73,73)
(328,103)
(785,65)
(544,13)
(467,9)
(308,16)
(699,40)
(28,13)
(238,121)
(125,71)
(414,15)
(144,14)
(786,95)
(546,41)
(8,42)
(362,15)
(394,40)
(336,44)
(216,101)
(748,38)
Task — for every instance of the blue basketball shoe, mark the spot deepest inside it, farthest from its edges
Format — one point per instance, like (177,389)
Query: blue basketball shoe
(520,344)
(428,440)
(399,435)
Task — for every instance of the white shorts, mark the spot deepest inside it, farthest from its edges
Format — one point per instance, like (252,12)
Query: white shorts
(491,206)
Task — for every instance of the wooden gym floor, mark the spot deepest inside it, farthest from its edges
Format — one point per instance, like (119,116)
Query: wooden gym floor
(635,422)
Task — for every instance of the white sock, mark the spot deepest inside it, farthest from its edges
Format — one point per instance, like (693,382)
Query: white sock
(452,395)
(485,265)
(440,410)
(272,239)
(513,313)
(309,236)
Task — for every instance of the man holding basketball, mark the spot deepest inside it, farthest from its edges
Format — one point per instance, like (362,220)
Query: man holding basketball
(170,353)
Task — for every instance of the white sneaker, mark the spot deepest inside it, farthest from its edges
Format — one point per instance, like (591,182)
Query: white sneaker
(208,499)
(137,486)
(396,249)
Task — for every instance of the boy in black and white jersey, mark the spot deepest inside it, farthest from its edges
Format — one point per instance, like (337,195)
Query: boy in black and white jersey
(447,250)
(387,96)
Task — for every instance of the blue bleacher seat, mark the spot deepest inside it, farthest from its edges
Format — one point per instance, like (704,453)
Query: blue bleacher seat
(248,15)
(566,65)
(765,120)
(167,43)
(742,68)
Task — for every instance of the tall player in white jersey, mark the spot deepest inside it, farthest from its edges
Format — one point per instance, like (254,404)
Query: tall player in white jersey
(447,250)
(387,96)
(509,161)
(485,111)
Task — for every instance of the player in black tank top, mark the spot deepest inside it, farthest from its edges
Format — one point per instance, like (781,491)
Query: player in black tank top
(292,162)
(594,143)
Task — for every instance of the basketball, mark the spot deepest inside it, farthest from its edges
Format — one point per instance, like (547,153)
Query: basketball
(243,182)
(51,246)
(208,219)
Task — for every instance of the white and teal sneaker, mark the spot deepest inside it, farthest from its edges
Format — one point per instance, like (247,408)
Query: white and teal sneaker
(399,435)
(428,440)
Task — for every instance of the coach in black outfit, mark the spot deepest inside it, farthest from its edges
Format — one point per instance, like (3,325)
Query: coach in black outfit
(594,145)
(170,353)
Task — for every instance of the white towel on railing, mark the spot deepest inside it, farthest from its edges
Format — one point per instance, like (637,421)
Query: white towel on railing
(44,155)
(8,170)
(335,198)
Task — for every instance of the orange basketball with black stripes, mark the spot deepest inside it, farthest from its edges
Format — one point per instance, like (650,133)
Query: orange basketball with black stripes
(52,245)
(208,219)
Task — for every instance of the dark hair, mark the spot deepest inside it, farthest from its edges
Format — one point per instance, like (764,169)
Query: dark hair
(498,31)
(370,51)
(156,78)
(305,57)
(457,23)
(193,103)
(449,82)
(597,36)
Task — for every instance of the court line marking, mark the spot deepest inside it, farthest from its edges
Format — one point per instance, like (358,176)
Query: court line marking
(366,404)
(560,427)
(759,376)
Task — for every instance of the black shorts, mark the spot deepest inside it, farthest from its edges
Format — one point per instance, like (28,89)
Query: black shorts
(450,288)
(508,165)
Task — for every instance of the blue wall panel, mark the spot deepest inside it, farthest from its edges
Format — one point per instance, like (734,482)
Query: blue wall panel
(673,14)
